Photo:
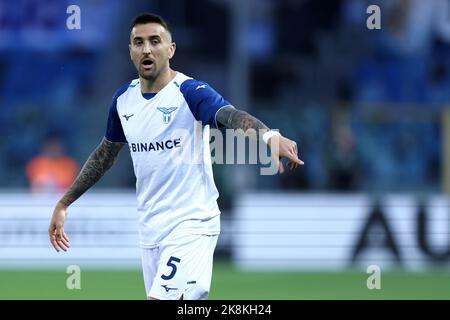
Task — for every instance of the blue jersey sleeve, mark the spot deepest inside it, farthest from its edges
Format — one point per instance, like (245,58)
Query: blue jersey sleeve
(114,130)
(203,101)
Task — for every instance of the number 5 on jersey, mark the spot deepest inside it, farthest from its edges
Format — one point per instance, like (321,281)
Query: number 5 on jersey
(171,264)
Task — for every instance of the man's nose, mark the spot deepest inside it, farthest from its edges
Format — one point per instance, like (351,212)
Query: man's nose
(147,48)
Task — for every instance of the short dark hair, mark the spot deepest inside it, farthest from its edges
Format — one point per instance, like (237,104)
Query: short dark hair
(146,17)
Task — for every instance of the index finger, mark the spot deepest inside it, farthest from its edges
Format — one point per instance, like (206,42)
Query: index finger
(295,159)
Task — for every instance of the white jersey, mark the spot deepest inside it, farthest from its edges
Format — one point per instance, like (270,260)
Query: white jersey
(168,136)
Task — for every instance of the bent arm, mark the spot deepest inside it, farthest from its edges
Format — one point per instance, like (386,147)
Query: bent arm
(100,160)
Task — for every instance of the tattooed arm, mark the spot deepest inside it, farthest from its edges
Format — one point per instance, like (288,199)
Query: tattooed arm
(233,118)
(95,167)
(101,159)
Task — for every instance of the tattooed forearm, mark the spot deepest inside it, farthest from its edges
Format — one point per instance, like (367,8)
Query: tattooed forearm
(101,159)
(238,119)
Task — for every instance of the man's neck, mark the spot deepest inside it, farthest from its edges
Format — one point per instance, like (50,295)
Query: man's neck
(154,86)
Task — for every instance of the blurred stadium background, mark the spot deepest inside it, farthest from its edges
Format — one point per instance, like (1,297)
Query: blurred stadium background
(368,108)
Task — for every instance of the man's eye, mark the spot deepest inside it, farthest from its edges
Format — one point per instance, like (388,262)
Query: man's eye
(138,43)
(155,41)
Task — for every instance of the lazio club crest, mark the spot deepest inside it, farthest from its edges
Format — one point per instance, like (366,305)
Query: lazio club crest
(167,113)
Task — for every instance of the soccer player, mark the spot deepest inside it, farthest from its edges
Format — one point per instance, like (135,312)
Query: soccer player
(179,218)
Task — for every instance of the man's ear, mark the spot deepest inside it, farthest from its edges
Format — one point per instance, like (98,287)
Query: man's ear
(172,50)
(129,48)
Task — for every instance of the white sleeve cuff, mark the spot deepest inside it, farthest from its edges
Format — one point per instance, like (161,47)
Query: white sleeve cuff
(269,134)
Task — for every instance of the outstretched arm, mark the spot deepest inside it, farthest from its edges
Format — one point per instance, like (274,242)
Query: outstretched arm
(101,159)
(233,118)
(281,147)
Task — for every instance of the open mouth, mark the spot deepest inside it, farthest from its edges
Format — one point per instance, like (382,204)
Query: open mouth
(147,63)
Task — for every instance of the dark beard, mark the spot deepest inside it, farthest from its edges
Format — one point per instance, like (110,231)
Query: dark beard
(150,77)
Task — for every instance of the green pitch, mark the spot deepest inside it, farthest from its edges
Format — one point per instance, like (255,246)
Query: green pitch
(228,283)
